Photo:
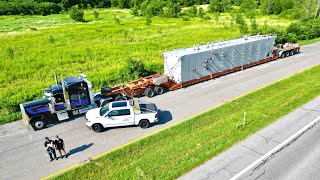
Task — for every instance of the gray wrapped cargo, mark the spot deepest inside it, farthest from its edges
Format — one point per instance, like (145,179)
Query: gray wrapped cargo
(187,64)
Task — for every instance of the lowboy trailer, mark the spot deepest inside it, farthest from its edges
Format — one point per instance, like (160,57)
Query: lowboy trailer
(182,67)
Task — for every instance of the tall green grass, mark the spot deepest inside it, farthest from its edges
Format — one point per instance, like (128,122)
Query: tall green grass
(175,151)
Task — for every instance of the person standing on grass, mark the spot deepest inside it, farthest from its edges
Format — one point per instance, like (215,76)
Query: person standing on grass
(60,146)
(49,144)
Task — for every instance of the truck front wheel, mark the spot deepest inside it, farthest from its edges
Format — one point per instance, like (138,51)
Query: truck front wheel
(97,128)
(38,124)
(144,124)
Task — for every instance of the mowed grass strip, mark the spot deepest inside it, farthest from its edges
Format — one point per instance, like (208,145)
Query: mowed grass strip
(176,150)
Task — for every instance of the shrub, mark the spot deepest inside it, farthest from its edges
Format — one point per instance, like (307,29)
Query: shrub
(76,14)
(51,39)
(185,18)
(116,20)
(206,17)
(201,12)
(96,14)
(10,53)
(148,21)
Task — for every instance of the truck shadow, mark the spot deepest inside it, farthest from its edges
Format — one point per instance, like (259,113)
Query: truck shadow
(164,117)
(79,149)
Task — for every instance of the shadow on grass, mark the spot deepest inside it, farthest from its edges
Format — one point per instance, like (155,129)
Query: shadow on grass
(79,149)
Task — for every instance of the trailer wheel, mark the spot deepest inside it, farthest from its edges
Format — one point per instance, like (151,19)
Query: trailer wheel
(282,55)
(144,123)
(39,123)
(297,51)
(287,53)
(291,52)
(159,90)
(149,92)
(97,128)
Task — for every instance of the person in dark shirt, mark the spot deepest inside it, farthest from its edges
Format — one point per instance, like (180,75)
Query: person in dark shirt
(49,144)
(60,146)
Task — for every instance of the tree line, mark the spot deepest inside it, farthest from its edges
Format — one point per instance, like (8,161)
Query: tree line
(295,9)
(45,7)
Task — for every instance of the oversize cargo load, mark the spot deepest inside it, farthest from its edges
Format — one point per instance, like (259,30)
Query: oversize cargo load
(184,65)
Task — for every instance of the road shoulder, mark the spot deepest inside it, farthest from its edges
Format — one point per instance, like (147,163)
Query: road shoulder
(235,159)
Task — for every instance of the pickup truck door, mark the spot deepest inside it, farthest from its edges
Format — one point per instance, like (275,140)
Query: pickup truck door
(120,117)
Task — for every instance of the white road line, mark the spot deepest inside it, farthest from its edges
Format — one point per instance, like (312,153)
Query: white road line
(210,84)
(30,137)
(267,65)
(270,153)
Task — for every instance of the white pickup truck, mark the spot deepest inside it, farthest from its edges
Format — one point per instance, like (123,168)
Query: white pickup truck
(122,113)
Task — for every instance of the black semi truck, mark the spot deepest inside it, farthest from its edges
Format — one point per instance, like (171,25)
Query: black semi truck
(72,96)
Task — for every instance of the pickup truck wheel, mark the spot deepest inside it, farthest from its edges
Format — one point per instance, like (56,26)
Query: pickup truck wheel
(144,124)
(97,128)
(149,92)
(159,90)
(38,124)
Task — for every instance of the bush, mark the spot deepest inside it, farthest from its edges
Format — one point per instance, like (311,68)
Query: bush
(304,30)
(185,18)
(206,17)
(148,21)
(76,13)
(96,14)
(201,12)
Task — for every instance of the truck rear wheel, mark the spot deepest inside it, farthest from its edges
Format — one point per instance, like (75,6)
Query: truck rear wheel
(149,92)
(39,123)
(144,124)
(97,128)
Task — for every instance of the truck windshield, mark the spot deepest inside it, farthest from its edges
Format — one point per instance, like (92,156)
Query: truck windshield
(104,110)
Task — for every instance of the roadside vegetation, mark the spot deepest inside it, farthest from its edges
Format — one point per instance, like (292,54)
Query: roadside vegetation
(176,150)
(106,43)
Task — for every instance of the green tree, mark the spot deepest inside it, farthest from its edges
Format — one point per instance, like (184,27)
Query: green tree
(135,11)
(65,5)
(193,11)
(215,6)
(248,5)
(76,13)
(219,6)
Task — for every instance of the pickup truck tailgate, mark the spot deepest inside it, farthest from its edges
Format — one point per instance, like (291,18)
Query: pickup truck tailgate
(145,107)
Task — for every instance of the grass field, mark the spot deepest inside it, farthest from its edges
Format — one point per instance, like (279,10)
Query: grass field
(33,47)
(175,151)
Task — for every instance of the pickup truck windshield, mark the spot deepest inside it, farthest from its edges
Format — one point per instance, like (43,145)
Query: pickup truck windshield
(104,110)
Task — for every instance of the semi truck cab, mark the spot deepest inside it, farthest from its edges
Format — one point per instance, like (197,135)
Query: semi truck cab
(72,96)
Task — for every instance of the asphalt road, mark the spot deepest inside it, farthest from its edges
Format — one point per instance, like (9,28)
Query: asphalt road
(23,155)
(297,160)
